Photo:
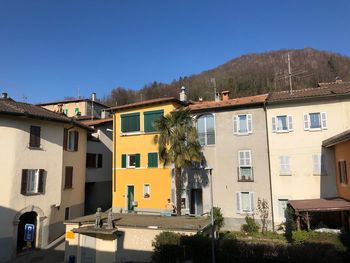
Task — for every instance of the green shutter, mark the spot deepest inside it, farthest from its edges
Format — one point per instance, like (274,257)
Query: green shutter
(137,160)
(123,160)
(149,119)
(130,122)
(152,159)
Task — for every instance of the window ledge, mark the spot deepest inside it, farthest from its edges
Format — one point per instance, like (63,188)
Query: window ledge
(285,174)
(68,188)
(130,133)
(283,131)
(31,194)
(246,180)
(243,134)
(315,129)
(35,148)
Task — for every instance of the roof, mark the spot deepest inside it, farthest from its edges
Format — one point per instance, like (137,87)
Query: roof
(341,137)
(323,90)
(70,101)
(96,122)
(238,102)
(320,205)
(150,221)
(15,108)
(147,103)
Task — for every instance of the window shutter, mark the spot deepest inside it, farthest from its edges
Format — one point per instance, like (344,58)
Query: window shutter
(306,122)
(290,123)
(123,160)
(68,177)
(324,120)
(235,124)
(137,160)
(248,158)
(41,181)
(24,182)
(99,161)
(76,140)
(34,140)
(238,202)
(152,159)
(250,123)
(251,195)
(273,124)
(65,138)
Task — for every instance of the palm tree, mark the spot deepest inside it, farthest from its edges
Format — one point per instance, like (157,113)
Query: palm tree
(178,144)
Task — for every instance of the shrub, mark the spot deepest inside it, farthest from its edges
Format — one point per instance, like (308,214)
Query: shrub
(167,247)
(218,218)
(250,226)
(299,237)
(263,213)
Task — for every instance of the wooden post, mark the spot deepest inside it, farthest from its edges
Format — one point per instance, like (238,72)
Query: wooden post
(298,222)
(307,217)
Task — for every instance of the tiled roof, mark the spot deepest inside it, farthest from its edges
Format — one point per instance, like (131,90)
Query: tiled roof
(96,122)
(320,204)
(14,108)
(147,102)
(244,101)
(69,101)
(323,90)
(341,137)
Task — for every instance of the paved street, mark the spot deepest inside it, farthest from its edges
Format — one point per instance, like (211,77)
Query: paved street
(54,254)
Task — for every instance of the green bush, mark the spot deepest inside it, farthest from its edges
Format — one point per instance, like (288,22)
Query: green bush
(300,237)
(218,218)
(167,247)
(250,226)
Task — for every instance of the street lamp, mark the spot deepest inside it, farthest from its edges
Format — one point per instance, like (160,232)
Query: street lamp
(212,214)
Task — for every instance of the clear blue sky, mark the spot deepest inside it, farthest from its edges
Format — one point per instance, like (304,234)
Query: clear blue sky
(50,49)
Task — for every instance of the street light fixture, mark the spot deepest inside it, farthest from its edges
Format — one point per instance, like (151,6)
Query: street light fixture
(212,214)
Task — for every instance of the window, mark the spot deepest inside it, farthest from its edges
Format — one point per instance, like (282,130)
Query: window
(66,112)
(131,160)
(76,111)
(93,160)
(245,202)
(206,129)
(146,191)
(245,166)
(282,123)
(150,117)
(32,181)
(242,124)
(285,165)
(70,140)
(315,121)
(318,161)
(343,177)
(130,122)
(68,178)
(282,206)
(34,139)
(152,160)
(67,213)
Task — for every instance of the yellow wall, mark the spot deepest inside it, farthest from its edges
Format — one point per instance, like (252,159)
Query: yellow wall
(158,178)
(342,152)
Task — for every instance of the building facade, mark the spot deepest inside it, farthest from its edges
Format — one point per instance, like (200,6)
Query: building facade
(298,122)
(140,181)
(43,165)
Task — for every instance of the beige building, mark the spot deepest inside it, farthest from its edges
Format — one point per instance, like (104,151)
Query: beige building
(298,122)
(76,107)
(43,169)
(233,135)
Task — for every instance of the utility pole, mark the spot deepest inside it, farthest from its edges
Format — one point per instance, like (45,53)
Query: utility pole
(290,76)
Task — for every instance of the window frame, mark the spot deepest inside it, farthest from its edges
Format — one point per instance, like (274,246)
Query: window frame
(35,137)
(249,124)
(240,165)
(280,208)
(146,114)
(39,178)
(322,119)
(68,184)
(126,115)
(289,124)
(281,171)
(239,209)
(154,154)
(343,177)
(205,116)
(149,191)
(96,161)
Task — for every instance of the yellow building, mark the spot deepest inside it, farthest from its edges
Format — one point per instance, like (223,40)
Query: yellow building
(140,181)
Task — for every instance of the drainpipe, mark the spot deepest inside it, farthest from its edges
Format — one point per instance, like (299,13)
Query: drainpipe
(268,156)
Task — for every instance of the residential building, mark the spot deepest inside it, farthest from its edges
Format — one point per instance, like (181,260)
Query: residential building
(77,107)
(43,170)
(140,181)
(233,135)
(98,185)
(298,122)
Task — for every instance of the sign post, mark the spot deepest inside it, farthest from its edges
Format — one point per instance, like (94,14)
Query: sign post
(29,231)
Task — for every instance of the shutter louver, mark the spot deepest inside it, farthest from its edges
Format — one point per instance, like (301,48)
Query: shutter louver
(235,124)
(76,141)
(24,182)
(238,202)
(306,122)
(290,123)
(273,124)
(65,138)
(324,120)
(123,160)
(250,123)
(137,160)
(41,181)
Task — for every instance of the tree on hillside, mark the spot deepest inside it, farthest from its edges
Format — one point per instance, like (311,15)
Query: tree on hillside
(178,144)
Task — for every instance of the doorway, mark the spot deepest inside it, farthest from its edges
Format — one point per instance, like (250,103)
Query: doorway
(196,207)
(130,197)
(26,218)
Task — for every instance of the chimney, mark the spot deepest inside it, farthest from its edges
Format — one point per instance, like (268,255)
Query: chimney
(183,96)
(104,114)
(93,96)
(225,95)
(4,95)
(217,96)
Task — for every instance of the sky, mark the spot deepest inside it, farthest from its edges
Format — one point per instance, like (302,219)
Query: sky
(51,49)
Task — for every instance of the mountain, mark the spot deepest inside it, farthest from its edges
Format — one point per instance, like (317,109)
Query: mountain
(248,75)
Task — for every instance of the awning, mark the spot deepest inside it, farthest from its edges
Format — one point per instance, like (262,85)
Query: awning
(320,205)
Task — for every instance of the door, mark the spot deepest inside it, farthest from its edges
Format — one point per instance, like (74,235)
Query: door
(196,202)
(22,244)
(130,197)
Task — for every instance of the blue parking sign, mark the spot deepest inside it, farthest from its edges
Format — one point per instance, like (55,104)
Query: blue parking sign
(29,230)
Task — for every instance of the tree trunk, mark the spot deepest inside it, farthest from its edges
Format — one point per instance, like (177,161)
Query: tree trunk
(178,185)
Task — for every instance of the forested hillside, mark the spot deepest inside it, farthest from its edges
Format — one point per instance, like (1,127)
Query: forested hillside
(247,75)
